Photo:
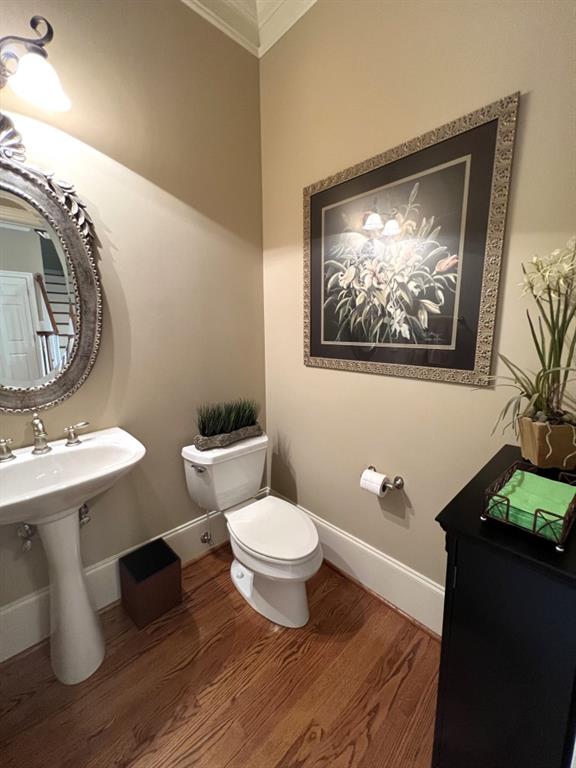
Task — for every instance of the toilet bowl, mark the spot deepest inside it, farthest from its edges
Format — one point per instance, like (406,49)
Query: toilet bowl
(275,544)
(276,550)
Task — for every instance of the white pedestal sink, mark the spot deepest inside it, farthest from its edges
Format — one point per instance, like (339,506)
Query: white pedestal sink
(47,491)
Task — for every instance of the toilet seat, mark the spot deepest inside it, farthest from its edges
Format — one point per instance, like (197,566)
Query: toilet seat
(274,530)
(286,571)
(274,561)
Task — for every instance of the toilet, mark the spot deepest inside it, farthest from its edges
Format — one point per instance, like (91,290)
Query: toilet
(275,544)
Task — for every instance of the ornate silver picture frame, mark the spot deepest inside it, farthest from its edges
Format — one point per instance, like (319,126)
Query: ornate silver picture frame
(402,254)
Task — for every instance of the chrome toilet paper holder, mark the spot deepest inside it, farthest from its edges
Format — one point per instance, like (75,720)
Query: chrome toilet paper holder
(397,483)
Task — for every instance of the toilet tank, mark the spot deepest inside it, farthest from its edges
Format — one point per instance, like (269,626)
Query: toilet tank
(222,477)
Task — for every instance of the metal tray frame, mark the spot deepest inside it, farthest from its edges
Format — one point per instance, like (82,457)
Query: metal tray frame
(543,519)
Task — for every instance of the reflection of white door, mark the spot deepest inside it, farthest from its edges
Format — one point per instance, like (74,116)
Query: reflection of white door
(20,354)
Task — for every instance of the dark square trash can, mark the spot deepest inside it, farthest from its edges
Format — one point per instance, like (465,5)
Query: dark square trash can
(150,581)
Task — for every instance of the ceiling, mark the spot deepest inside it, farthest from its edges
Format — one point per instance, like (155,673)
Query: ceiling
(255,24)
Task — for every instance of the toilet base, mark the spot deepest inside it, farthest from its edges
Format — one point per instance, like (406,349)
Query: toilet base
(283,602)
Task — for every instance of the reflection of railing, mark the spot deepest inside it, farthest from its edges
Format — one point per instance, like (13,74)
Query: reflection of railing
(73,318)
(40,281)
(56,344)
(59,297)
(48,334)
(49,363)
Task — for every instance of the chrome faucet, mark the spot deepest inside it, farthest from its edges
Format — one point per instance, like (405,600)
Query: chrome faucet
(40,436)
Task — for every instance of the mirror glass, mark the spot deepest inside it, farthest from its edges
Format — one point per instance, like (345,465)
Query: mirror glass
(37,300)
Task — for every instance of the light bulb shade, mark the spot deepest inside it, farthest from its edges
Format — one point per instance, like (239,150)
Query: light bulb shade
(36,81)
(391,228)
(372,221)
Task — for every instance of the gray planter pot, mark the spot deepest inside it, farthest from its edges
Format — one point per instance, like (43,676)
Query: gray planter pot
(227,438)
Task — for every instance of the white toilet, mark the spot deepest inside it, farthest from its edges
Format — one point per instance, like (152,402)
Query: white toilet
(275,544)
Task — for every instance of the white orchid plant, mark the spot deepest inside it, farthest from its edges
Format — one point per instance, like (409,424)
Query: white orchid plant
(543,395)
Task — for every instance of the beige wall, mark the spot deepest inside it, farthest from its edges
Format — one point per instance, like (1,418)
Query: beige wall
(169,106)
(352,79)
(20,250)
(168,109)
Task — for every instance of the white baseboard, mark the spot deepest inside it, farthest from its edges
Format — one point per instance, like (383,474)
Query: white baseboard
(411,592)
(26,622)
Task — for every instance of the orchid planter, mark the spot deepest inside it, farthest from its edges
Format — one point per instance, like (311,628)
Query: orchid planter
(549,446)
(544,405)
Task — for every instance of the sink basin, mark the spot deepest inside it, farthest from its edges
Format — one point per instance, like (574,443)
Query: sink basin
(46,491)
(37,489)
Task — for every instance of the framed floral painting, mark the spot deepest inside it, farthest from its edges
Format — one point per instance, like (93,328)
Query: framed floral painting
(403,254)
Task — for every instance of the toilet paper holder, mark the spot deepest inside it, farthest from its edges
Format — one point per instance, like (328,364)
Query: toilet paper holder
(397,483)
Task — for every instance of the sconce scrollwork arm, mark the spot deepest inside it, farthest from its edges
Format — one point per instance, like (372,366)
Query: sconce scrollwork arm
(9,57)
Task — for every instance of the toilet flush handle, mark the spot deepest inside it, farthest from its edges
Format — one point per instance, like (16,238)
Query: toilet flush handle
(198,469)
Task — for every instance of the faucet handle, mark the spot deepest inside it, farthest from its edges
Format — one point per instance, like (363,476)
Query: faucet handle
(5,452)
(73,438)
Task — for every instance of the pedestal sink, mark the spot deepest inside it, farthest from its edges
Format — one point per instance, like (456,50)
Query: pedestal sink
(47,491)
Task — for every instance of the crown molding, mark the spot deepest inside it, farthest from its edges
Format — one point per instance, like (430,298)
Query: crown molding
(275,19)
(256,25)
(228,19)
(248,8)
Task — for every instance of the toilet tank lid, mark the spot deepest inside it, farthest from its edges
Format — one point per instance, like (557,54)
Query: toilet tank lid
(218,455)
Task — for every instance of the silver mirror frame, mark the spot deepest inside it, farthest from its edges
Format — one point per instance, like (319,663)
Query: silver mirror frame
(59,204)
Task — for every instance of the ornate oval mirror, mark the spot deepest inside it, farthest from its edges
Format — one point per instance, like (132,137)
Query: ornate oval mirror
(50,298)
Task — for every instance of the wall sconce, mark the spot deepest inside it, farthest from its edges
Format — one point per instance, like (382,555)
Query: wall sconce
(29,74)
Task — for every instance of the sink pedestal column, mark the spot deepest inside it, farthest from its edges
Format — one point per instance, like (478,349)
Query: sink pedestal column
(76,640)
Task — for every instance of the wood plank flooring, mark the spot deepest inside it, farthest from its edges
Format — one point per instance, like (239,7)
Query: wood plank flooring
(214,685)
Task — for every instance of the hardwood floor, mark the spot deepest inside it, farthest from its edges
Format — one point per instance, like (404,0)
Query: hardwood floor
(214,685)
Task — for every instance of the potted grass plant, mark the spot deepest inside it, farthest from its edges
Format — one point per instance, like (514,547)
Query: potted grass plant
(543,410)
(222,424)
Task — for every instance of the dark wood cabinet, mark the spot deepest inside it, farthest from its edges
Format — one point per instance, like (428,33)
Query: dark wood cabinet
(507,690)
